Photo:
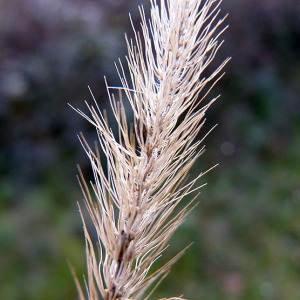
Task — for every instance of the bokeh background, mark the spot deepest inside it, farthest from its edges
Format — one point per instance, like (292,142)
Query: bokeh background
(246,228)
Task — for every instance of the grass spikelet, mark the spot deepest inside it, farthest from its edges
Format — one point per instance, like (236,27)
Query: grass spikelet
(147,162)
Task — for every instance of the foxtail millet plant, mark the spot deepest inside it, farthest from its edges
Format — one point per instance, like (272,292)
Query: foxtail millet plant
(132,202)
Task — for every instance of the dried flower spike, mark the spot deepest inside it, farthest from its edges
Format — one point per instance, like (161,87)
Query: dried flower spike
(133,212)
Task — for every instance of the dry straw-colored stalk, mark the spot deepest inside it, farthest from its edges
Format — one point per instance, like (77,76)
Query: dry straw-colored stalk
(132,204)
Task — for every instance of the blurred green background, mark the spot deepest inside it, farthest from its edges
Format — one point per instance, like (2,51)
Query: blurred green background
(246,228)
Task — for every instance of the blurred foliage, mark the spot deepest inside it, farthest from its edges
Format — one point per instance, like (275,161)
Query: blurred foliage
(246,228)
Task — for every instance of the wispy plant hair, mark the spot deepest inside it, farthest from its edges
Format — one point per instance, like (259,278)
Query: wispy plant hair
(132,202)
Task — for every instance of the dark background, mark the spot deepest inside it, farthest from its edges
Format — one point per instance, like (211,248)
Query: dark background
(246,228)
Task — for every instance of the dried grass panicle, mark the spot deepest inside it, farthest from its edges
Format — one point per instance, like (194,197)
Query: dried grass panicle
(147,161)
